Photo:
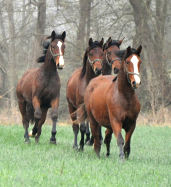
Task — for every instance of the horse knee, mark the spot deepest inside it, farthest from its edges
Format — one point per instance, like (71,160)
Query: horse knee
(54,115)
(120,140)
(38,114)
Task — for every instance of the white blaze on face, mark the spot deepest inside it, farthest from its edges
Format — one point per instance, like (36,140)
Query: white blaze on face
(61,59)
(135,61)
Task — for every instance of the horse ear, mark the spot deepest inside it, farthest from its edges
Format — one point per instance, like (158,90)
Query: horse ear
(139,50)
(128,50)
(63,36)
(101,42)
(90,41)
(53,34)
(108,42)
(120,41)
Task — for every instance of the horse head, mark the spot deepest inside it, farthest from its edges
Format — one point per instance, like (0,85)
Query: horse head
(132,63)
(95,55)
(57,47)
(111,59)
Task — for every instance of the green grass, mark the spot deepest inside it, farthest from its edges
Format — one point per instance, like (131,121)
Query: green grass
(48,165)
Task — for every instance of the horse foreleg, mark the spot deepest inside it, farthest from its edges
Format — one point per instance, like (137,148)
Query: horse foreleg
(25,121)
(37,116)
(128,135)
(107,140)
(40,123)
(117,127)
(54,117)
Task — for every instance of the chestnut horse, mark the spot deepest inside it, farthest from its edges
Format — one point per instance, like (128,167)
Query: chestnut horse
(114,104)
(39,89)
(111,62)
(77,83)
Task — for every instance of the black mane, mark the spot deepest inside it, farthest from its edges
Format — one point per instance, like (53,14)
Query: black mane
(45,45)
(94,45)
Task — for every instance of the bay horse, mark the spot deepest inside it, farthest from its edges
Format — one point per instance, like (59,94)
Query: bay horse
(111,64)
(39,89)
(77,83)
(114,104)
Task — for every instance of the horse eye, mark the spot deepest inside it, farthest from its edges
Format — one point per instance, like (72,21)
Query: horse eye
(90,54)
(127,62)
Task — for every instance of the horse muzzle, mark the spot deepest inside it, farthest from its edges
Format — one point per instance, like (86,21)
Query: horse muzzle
(135,85)
(98,71)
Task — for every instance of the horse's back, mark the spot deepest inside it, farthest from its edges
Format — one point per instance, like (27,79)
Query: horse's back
(75,88)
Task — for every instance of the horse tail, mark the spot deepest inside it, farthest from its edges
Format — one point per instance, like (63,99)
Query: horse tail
(30,112)
(81,113)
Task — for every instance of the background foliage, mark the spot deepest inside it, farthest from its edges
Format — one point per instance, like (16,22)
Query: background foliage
(25,24)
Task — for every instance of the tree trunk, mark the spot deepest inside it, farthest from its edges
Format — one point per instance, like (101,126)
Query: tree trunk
(12,60)
(150,34)
(83,32)
(40,29)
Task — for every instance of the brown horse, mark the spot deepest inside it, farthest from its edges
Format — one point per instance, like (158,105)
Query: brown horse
(39,89)
(111,62)
(76,86)
(114,104)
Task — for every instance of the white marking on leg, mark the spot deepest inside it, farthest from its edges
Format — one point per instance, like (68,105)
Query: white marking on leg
(135,61)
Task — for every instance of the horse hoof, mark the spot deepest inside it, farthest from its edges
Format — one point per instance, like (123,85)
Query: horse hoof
(53,142)
(107,154)
(121,156)
(27,141)
(89,143)
(32,135)
(80,149)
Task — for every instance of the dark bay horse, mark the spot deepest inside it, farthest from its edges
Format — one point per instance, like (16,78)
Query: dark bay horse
(111,63)
(114,104)
(77,83)
(39,89)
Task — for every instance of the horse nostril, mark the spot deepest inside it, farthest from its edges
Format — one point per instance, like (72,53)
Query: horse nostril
(134,83)
(116,70)
(98,71)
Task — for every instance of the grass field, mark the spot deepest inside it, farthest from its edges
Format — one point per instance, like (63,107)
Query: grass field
(48,165)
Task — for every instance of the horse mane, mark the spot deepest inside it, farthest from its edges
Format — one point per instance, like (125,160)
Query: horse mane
(95,44)
(45,45)
(114,42)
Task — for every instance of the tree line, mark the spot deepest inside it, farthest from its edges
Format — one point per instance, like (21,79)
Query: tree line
(25,24)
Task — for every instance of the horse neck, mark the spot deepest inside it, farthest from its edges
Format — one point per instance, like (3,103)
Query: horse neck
(124,86)
(106,70)
(89,73)
(49,65)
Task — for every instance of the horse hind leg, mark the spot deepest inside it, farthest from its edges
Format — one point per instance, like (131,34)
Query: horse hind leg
(25,120)
(87,140)
(95,132)
(83,131)
(75,126)
(107,140)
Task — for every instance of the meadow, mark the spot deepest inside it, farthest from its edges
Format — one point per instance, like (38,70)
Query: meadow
(46,165)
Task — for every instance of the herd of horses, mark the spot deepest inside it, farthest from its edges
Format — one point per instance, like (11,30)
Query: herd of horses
(93,94)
